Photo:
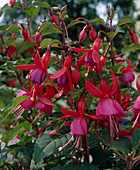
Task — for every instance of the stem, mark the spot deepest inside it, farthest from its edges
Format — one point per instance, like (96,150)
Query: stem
(119,154)
(86,149)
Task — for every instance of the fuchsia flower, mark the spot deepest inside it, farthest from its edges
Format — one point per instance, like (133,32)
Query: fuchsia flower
(64,77)
(79,124)
(107,107)
(127,72)
(35,99)
(91,55)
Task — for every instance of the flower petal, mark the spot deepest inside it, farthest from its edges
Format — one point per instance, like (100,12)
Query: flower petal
(92,116)
(25,67)
(37,60)
(93,90)
(67,112)
(45,100)
(59,73)
(70,80)
(79,50)
(114,87)
(137,83)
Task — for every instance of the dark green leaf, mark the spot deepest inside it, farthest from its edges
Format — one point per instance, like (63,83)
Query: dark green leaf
(32,11)
(26,45)
(119,29)
(7,136)
(14,29)
(125,21)
(42,4)
(45,26)
(131,47)
(9,40)
(99,20)
(47,41)
(136,137)
(74,166)
(4,27)
(3,155)
(51,30)
(1,14)
(74,22)
(46,145)
(111,35)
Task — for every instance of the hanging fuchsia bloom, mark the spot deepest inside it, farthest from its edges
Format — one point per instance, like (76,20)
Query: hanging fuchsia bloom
(39,69)
(35,100)
(90,53)
(79,124)
(127,72)
(107,107)
(63,76)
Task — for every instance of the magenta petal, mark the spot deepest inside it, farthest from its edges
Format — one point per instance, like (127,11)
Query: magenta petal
(79,50)
(108,107)
(22,93)
(45,100)
(93,90)
(48,109)
(129,77)
(67,112)
(136,105)
(27,104)
(79,126)
(39,105)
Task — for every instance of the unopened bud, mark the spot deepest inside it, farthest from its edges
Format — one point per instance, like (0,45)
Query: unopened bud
(68,61)
(53,132)
(11,3)
(49,123)
(38,38)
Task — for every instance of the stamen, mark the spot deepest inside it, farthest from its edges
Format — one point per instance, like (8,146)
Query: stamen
(60,148)
(77,145)
(135,120)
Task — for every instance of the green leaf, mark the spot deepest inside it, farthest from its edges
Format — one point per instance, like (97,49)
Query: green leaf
(136,137)
(9,40)
(51,30)
(119,29)
(14,29)
(42,4)
(74,22)
(74,166)
(47,41)
(125,21)
(45,26)
(111,35)
(47,145)
(4,27)
(26,45)
(131,47)
(32,11)
(1,13)
(7,136)
(99,20)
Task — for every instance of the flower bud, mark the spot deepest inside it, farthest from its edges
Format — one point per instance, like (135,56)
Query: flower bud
(25,33)
(68,61)
(46,59)
(49,123)
(38,38)
(75,76)
(103,60)
(83,34)
(53,132)
(11,3)
(133,37)
(97,44)
(95,56)
(54,19)
(92,34)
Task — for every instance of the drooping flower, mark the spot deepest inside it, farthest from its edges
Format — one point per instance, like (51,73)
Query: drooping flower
(79,124)
(134,38)
(64,77)
(107,107)
(127,72)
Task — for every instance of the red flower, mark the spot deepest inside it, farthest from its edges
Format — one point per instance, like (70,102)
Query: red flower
(107,107)
(79,124)
(11,3)
(127,72)
(63,76)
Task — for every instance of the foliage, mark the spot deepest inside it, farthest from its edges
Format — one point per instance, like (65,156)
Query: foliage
(71,106)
